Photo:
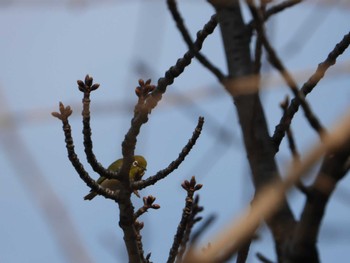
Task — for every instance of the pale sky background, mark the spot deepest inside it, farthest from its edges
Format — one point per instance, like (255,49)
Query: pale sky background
(45,46)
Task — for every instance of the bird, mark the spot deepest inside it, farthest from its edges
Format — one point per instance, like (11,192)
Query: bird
(137,170)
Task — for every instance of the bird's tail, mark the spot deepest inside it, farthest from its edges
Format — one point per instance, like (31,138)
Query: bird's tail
(90,196)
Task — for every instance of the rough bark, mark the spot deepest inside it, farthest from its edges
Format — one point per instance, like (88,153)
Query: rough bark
(258,143)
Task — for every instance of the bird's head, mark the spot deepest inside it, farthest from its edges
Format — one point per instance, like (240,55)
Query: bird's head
(138,168)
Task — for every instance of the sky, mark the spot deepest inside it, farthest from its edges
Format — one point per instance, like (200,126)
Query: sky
(46,46)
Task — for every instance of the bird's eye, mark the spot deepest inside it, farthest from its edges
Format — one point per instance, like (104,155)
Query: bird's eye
(135,163)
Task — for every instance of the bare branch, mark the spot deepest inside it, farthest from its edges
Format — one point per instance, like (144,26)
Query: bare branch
(303,245)
(148,102)
(190,187)
(193,219)
(290,137)
(188,40)
(277,63)
(308,87)
(258,144)
(87,87)
(274,10)
(147,204)
(280,7)
(174,164)
(65,112)
(268,200)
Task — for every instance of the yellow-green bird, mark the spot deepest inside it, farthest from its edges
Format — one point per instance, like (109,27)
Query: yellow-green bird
(137,170)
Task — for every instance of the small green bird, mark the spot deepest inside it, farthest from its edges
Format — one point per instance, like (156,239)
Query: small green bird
(137,170)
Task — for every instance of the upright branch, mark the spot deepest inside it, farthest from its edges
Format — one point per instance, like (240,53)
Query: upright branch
(138,227)
(86,87)
(190,187)
(290,137)
(149,97)
(192,220)
(260,149)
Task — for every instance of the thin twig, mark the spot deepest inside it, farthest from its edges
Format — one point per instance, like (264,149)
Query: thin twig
(147,204)
(87,87)
(188,40)
(290,137)
(274,10)
(193,219)
(176,70)
(277,63)
(204,226)
(257,57)
(174,164)
(262,258)
(190,187)
(280,7)
(308,87)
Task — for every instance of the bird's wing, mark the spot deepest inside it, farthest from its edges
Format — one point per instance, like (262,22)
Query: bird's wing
(100,180)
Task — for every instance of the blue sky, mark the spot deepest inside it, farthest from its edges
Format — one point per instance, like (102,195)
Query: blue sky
(47,45)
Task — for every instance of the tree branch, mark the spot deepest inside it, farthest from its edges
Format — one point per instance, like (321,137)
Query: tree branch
(87,87)
(190,187)
(307,88)
(147,204)
(188,40)
(174,164)
(277,63)
(259,147)
(303,246)
(267,201)
(193,219)
(63,115)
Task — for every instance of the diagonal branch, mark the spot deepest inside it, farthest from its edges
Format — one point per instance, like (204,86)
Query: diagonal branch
(289,132)
(307,88)
(188,40)
(280,7)
(147,103)
(65,112)
(277,63)
(274,10)
(174,164)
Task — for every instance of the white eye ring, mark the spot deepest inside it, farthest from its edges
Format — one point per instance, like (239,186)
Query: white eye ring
(135,163)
